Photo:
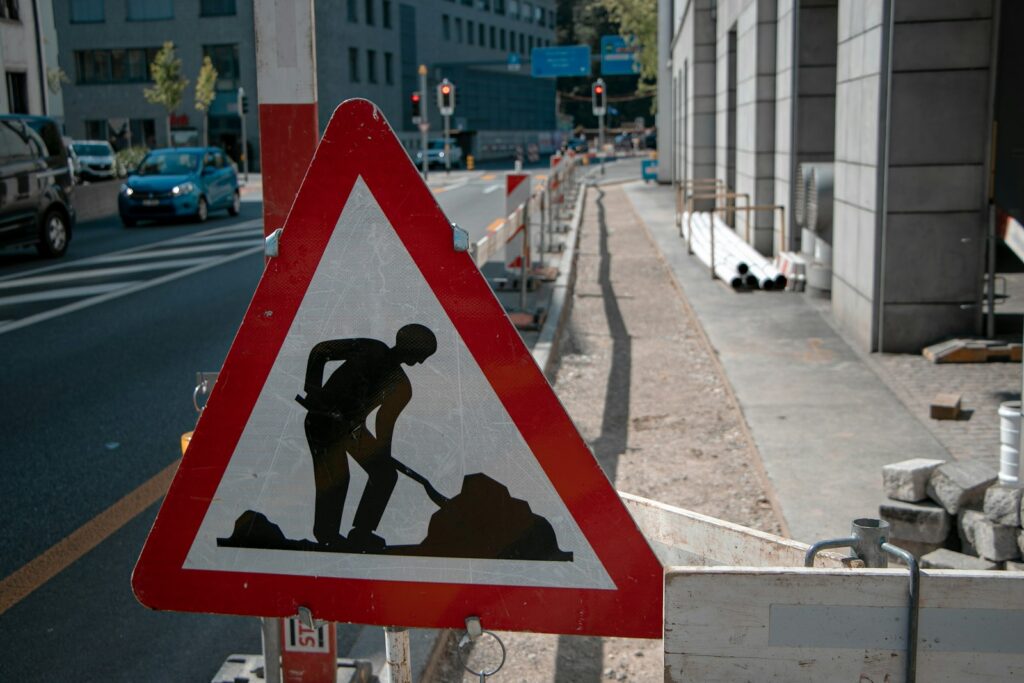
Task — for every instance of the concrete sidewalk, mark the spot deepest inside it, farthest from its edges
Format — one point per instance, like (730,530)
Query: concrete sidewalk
(823,420)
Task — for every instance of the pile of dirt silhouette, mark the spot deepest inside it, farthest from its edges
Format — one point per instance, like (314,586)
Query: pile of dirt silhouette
(254,530)
(485,522)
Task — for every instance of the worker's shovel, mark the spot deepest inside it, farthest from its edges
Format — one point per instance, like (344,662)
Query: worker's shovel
(432,493)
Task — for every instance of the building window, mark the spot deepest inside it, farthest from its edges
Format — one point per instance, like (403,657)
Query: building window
(530,43)
(494,42)
(353,64)
(97,129)
(150,10)
(538,15)
(87,11)
(113,66)
(499,6)
(225,61)
(513,8)
(522,43)
(446,27)
(385,13)
(511,41)
(17,92)
(551,18)
(501,38)
(9,10)
(217,8)
(352,16)
(527,11)
(458,29)
(467,3)
(484,5)
(389,68)
(369,13)
(481,37)
(469,32)
(371,66)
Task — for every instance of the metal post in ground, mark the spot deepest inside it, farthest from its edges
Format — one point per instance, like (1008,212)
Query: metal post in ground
(447,151)
(424,120)
(271,628)
(600,140)
(396,653)
(524,257)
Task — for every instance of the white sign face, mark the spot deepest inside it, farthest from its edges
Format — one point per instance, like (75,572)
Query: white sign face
(453,441)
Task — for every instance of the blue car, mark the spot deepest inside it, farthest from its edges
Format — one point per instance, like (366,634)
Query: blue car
(180,182)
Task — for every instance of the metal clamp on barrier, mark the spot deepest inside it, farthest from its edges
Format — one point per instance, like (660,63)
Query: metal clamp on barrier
(870,544)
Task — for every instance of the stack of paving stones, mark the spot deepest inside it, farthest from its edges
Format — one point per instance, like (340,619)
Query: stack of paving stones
(953,515)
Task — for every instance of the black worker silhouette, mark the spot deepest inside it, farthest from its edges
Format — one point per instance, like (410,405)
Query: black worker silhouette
(483,521)
(370,378)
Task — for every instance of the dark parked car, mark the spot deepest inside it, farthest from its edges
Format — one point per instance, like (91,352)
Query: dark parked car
(35,185)
(179,182)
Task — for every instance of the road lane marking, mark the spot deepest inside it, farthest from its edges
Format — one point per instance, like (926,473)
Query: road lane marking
(179,251)
(223,230)
(63,293)
(102,272)
(495,224)
(491,188)
(155,282)
(36,572)
(488,176)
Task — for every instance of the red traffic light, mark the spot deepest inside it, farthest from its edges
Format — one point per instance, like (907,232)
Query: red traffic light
(598,89)
(415,97)
(446,89)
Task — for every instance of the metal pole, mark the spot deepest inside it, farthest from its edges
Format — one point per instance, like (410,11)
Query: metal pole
(396,652)
(424,119)
(543,238)
(245,139)
(524,257)
(447,151)
(600,140)
(271,628)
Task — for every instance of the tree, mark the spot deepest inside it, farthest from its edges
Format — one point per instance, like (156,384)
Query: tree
(168,83)
(638,18)
(205,92)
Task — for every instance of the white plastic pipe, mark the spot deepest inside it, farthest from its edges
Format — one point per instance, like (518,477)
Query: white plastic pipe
(1009,440)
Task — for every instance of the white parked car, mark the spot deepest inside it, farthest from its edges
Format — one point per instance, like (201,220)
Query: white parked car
(435,153)
(96,160)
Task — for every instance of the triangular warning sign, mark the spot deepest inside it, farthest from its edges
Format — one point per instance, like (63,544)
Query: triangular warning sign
(380,446)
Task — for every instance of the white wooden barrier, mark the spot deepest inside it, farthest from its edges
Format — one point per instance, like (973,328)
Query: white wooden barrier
(745,609)
(779,624)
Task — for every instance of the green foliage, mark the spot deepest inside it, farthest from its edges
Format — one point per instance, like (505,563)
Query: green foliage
(168,83)
(130,157)
(638,18)
(205,84)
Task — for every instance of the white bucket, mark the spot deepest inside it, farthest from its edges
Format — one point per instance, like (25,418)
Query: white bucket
(1009,437)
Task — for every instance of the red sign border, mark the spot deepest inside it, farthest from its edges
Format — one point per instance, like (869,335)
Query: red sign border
(358,142)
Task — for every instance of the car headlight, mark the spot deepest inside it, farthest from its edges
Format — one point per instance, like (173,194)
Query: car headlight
(128,192)
(184,188)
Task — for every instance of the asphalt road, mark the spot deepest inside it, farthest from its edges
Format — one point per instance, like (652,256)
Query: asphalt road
(100,351)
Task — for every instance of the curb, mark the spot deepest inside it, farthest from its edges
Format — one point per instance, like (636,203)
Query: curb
(545,354)
(545,351)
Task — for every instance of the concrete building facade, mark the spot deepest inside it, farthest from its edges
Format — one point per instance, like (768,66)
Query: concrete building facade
(28,43)
(902,97)
(365,48)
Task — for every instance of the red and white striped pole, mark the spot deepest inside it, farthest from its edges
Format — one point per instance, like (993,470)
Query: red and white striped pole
(286,83)
(286,88)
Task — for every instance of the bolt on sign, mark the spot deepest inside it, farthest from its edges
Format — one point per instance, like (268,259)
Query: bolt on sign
(380,447)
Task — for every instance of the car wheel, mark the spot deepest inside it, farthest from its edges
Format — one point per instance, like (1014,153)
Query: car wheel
(55,235)
(202,210)
(236,204)
(128,222)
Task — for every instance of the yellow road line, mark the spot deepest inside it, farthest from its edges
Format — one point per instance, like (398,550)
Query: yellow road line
(19,585)
(488,176)
(541,176)
(439,190)
(495,224)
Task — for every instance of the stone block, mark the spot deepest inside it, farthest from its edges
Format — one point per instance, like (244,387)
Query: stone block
(995,541)
(908,480)
(1020,540)
(1002,504)
(948,559)
(958,484)
(966,519)
(924,523)
(945,407)
(1012,566)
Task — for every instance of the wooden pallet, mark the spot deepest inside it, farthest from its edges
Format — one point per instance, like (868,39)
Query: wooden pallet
(972,351)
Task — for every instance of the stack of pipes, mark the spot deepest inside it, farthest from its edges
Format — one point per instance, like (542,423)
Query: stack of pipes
(736,262)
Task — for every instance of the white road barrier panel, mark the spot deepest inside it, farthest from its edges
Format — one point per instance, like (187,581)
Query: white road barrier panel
(793,624)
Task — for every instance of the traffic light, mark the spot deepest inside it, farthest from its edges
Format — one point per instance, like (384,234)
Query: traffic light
(245,104)
(415,100)
(446,97)
(599,97)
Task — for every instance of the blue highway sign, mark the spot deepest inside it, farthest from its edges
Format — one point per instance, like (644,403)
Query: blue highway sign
(568,60)
(619,57)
